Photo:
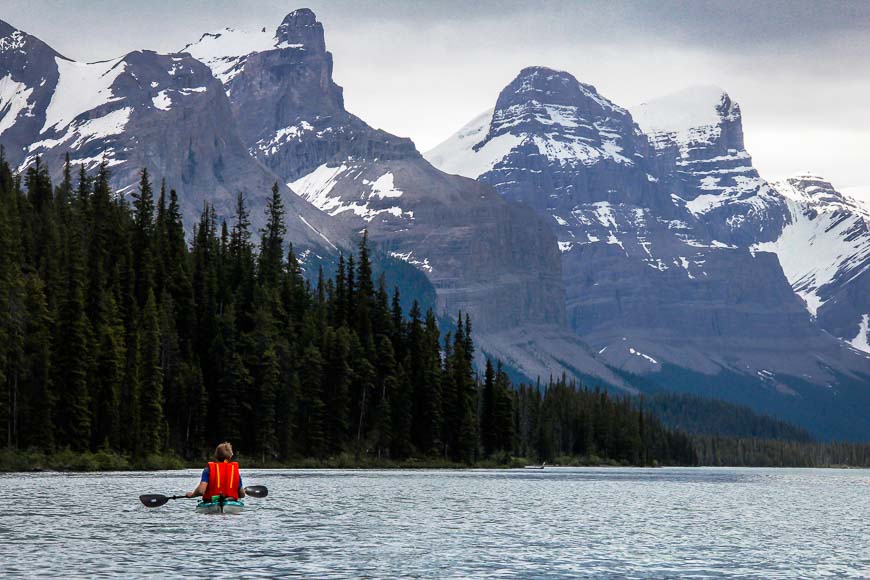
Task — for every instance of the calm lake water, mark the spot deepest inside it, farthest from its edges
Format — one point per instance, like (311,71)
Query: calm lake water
(515,524)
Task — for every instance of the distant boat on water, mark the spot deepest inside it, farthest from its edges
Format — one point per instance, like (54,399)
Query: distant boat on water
(541,466)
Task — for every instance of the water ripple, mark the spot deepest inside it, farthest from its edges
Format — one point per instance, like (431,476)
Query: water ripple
(626,523)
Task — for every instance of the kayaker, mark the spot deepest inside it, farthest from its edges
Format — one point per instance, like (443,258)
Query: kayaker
(220,477)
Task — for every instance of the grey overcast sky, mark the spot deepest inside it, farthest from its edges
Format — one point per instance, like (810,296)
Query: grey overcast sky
(800,70)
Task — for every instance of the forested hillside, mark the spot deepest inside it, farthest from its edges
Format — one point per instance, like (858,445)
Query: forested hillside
(119,336)
(702,416)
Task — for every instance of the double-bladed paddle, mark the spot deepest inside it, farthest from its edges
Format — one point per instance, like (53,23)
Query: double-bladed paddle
(156,500)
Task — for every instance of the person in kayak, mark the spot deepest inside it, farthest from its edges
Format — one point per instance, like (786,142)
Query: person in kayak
(220,477)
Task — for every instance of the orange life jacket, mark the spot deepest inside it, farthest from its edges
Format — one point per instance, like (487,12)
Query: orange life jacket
(223,479)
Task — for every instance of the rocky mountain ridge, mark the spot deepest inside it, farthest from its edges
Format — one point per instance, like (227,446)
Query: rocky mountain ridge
(164,112)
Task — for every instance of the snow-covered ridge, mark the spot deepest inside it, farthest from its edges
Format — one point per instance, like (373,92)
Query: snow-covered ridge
(815,192)
(225,51)
(687,116)
(13,100)
(80,87)
(543,82)
(458,154)
(826,239)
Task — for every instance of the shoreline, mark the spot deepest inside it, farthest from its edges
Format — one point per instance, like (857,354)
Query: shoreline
(22,461)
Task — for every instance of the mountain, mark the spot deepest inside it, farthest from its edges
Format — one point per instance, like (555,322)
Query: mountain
(824,249)
(484,255)
(819,235)
(164,112)
(658,212)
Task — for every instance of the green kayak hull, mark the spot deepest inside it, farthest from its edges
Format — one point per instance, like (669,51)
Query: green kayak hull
(228,506)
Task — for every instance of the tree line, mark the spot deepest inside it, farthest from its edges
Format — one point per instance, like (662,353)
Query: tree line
(703,416)
(117,334)
(756,452)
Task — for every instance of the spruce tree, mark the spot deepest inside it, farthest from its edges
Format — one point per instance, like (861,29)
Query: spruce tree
(108,375)
(71,362)
(488,429)
(34,384)
(143,238)
(310,408)
(153,419)
(272,240)
(336,386)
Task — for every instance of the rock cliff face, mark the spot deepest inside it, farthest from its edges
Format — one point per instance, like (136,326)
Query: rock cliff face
(164,112)
(661,226)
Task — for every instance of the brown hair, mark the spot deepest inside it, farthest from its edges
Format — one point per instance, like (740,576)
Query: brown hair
(224,451)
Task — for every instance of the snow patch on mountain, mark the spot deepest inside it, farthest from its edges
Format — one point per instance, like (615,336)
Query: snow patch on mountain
(383,187)
(862,341)
(273,144)
(80,87)
(315,187)
(569,151)
(14,41)
(225,51)
(162,101)
(631,350)
(410,259)
(565,121)
(86,130)
(13,100)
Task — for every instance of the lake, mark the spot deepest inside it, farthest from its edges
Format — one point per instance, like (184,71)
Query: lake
(559,522)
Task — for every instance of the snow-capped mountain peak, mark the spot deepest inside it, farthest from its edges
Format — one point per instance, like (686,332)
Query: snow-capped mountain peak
(819,194)
(689,115)
(546,111)
(824,250)
(553,87)
(226,51)
(301,29)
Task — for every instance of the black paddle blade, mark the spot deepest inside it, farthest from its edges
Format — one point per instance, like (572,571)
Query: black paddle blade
(256,491)
(153,500)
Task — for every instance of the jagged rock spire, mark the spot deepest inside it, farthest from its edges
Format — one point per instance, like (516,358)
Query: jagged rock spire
(301,27)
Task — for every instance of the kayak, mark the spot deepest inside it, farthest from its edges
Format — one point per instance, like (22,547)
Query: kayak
(218,506)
